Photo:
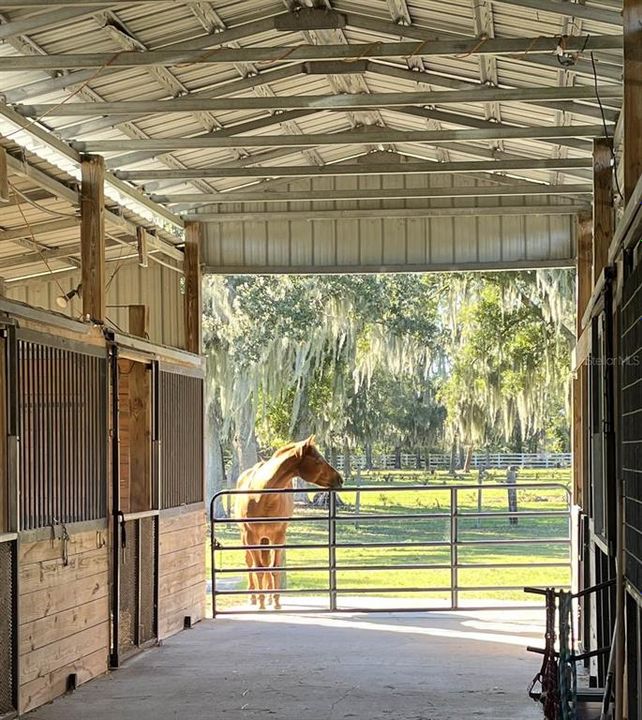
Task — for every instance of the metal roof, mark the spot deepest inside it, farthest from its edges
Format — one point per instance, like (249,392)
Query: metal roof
(449,41)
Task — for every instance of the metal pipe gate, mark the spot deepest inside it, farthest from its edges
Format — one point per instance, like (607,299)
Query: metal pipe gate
(454,543)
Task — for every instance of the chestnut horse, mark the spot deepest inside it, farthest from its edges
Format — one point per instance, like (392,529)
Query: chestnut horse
(298,459)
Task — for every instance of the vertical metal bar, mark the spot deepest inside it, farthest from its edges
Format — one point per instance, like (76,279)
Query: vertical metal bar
(138,525)
(40,442)
(454,555)
(332,547)
(28,488)
(60,429)
(114,659)
(156,478)
(14,380)
(85,447)
(213,552)
(48,471)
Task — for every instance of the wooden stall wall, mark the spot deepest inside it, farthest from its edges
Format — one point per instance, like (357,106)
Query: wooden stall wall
(58,415)
(63,610)
(182,516)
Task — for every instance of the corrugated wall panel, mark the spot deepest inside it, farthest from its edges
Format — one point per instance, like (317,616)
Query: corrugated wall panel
(358,236)
(155,286)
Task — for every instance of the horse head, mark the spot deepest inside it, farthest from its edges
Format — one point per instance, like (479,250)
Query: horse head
(314,468)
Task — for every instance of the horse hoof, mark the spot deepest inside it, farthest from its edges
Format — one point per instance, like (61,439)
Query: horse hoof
(277,605)
(253,600)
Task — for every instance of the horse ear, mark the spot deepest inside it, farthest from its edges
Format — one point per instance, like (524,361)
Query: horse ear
(310,441)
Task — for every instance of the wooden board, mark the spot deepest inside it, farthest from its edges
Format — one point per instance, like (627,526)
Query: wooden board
(43,689)
(63,614)
(181,570)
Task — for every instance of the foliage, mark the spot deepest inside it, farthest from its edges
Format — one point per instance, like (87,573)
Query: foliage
(409,361)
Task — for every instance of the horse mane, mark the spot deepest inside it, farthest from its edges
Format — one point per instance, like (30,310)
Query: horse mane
(267,469)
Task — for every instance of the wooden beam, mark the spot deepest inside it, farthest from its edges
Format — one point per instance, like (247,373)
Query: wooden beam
(142,244)
(603,215)
(192,270)
(139,321)
(632,14)
(140,442)
(92,236)
(584,266)
(4,177)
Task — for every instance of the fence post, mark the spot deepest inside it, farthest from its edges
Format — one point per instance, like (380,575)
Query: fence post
(480,480)
(511,479)
(454,575)
(357,501)
(332,549)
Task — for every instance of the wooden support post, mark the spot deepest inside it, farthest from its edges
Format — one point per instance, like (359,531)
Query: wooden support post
(139,321)
(603,215)
(192,270)
(141,241)
(92,236)
(632,106)
(4,177)
(584,266)
(140,438)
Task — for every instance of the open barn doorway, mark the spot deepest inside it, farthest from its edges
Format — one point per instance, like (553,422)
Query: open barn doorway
(444,402)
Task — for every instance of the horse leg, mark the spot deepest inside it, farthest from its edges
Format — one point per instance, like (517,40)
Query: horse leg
(251,576)
(261,561)
(278,539)
(276,577)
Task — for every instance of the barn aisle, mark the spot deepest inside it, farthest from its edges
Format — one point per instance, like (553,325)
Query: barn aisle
(381,667)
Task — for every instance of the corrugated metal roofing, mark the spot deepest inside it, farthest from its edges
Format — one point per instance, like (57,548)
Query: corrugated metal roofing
(159,25)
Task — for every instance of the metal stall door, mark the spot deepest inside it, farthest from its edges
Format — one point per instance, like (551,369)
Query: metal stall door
(135,505)
(8,524)
(8,544)
(631,469)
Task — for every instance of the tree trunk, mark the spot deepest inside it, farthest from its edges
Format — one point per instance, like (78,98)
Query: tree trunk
(368,450)
(347,461)
(398,457)
(453,457)
(301,422)
(215,473)
(417,460)
(245,445)
(469,458)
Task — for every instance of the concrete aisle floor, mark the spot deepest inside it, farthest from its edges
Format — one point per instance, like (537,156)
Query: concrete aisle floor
(443,666)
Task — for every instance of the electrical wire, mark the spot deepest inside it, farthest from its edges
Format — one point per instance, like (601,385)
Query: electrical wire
(42,208)
(39,250)
(606,130)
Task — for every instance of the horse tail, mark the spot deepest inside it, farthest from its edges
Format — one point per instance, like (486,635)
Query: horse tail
(266,555)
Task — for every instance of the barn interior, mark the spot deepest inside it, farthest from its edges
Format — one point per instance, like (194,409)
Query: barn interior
(143,145)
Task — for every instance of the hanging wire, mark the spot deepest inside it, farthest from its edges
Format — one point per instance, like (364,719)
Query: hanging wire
(37,205)
(606,130)
(39,249)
